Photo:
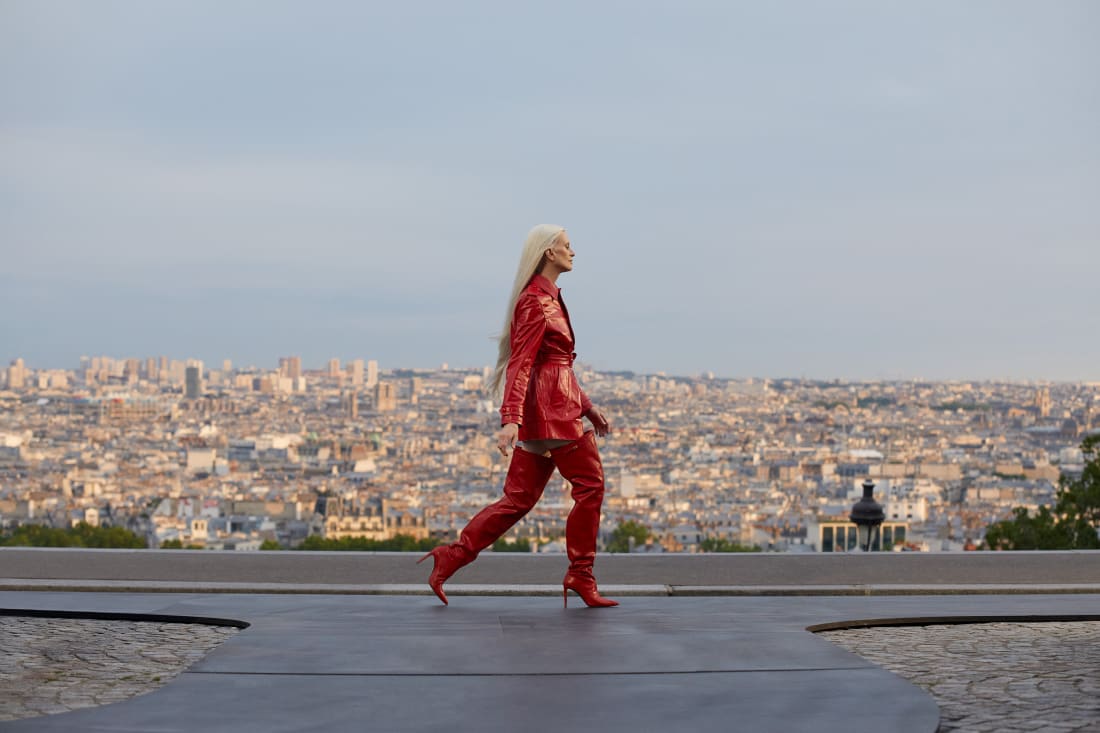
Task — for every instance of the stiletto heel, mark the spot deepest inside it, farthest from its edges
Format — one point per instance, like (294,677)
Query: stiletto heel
(565,598)
(447,559)
(584,585)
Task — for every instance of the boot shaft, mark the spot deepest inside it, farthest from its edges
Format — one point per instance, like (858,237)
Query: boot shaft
(579,463)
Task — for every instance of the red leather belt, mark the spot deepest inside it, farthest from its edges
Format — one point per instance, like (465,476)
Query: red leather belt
(563,359)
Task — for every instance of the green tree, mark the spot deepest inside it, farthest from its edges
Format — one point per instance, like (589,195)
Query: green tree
(270,545)
(82,535)
(717,544)
(118,537)
(1073,523)
(1025,532)
(1079,498)
(398,543)
(177,544)
(520,545)
(620,536)
(37,535)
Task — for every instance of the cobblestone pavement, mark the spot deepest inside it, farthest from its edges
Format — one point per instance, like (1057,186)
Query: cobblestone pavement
(53,665)
(997,677)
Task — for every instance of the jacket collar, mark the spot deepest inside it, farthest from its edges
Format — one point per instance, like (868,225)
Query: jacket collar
(542,283)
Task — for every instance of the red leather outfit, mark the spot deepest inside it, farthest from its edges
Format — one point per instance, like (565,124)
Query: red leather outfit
(542,396)
(541,393)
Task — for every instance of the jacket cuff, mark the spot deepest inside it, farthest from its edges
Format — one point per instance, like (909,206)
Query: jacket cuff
(510,417)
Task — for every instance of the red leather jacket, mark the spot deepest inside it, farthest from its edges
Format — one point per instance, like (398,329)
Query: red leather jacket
(541,392)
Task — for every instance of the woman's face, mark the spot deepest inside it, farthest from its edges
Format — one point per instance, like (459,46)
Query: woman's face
(560,254)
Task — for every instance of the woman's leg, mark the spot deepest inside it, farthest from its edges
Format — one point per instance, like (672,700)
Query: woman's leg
(527,475)
(523,486)
(579,463)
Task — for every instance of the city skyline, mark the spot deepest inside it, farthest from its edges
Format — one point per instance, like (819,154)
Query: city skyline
(238,460)
(852,190)
(323,366)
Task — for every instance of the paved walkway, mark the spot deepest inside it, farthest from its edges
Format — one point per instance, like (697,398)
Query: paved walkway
(995,678)
(399,663)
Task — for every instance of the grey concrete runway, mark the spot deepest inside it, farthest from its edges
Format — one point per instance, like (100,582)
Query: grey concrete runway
(406,663)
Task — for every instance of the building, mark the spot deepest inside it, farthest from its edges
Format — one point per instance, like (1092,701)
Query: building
(385,397)
(290,366)
(17,375)
(355,373)
(193,383)
(836,534)
(373,521)
(350,404)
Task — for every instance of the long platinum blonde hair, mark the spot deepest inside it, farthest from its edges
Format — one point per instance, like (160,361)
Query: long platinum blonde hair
(539,239)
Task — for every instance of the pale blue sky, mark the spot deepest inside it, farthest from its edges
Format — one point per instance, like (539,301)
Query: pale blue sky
(822,189)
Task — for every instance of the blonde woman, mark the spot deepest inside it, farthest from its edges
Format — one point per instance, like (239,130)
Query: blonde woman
(541,409)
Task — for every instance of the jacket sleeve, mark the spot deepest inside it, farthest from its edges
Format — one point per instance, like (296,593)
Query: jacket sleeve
(528,328)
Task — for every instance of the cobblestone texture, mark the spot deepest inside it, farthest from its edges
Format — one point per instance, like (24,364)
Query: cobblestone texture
(50,665)
(995,678)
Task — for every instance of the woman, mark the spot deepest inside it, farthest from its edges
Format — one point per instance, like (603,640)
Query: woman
(541,408)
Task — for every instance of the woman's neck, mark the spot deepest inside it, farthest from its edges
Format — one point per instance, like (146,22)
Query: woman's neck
(551,273)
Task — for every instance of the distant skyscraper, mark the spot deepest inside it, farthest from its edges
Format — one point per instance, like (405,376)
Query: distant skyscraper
(355,373)
(372,373)
(385,397)
(290,366)
(227,366)
(193,386)
(334,367)
(130,371)
(17,375)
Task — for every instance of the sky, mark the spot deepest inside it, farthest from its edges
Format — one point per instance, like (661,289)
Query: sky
(854,190)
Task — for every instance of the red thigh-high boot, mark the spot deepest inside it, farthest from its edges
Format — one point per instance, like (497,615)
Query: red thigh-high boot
(523,486)
(579,463)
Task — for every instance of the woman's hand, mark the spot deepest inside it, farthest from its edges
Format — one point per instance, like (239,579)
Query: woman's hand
(603,427)
(506,438)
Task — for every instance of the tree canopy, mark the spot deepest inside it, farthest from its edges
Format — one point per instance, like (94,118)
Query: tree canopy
(717,544)
(521,545)
(82,535)
(620,536)
(1072,525)
(398,543)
